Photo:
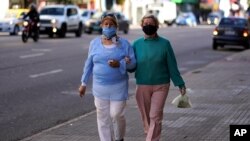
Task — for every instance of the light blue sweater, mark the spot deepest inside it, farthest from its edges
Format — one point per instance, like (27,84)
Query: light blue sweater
(108,83)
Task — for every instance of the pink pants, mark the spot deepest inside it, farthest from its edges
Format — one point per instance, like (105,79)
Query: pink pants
(151,100)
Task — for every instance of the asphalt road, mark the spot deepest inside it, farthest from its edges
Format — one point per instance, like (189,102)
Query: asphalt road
(39,81)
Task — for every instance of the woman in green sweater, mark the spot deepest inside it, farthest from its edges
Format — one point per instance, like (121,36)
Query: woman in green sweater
(156,66)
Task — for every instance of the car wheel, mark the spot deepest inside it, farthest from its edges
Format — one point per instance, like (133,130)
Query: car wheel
(79,31)
(88,31)
(63,31)
(51,35)
(100,31)
(35,36)
(15,31)
(125,31)
(215,46)
(247,46)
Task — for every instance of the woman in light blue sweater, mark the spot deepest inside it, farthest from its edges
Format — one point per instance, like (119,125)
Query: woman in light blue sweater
(108,59)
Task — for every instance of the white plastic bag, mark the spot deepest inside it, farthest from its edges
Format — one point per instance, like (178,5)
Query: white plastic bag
(182,101)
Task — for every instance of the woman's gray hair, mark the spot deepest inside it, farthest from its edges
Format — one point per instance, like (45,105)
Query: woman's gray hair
(110,16)
(155,19)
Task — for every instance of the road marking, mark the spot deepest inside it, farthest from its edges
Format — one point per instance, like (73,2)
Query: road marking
(183,69)
(195,62)
(43,50)
(69,92)
(45,73)
(76,93)
(31,55)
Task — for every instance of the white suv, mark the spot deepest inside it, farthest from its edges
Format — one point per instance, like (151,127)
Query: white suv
(60,19)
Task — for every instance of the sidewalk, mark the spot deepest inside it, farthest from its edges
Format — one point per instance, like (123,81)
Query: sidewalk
(219,92)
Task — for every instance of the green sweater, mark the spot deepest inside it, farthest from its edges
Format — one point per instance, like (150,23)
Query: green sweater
(156,62)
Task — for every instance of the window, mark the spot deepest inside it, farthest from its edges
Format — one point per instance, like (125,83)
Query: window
(235,22)
(73,11)
(85,14)
(52,11)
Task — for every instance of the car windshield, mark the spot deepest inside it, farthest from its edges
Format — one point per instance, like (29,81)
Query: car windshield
(233,22)
(52,11)
(85,14)
(213,16)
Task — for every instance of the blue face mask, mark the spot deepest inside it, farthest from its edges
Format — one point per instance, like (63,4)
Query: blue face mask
(109,32)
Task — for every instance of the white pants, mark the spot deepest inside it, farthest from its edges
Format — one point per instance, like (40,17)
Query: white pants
(110,119)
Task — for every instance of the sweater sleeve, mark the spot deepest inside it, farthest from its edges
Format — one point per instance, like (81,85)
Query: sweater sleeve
(173,68)
(88,67)
(132,51)
(130,54)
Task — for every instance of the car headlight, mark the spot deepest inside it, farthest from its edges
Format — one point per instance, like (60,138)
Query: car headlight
(11,22)
(25,23)
(245,34)
(215,32)
(87,23)
(216,20)
(209,21)
(53,21)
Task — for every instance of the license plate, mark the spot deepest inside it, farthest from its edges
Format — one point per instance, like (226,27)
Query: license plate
(229,33)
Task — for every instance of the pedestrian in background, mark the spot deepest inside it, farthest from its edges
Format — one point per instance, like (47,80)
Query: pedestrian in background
(156,66)
(108,59)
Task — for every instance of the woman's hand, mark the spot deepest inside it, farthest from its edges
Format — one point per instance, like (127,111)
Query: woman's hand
(82,90)
(127,60)
(114,63)
(182,90)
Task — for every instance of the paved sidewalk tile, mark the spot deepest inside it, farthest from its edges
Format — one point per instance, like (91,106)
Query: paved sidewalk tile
(220,95)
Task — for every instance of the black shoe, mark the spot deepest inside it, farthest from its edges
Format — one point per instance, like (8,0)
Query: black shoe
(119,140)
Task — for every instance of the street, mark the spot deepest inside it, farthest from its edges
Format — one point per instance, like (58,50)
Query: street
(39,81)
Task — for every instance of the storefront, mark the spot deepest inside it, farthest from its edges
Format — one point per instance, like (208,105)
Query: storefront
(17,4)
(13,4)
(3,7)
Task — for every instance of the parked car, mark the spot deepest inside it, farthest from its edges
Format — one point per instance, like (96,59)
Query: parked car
(232,31)
(12,21)
(186,18)
(93,24)
(165,11)
(214,18)
(87,14)
(60,19)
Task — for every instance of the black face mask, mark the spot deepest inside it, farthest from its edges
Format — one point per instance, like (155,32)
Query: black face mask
(149,29)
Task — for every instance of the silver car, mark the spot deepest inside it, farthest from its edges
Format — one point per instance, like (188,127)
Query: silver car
(11,23)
